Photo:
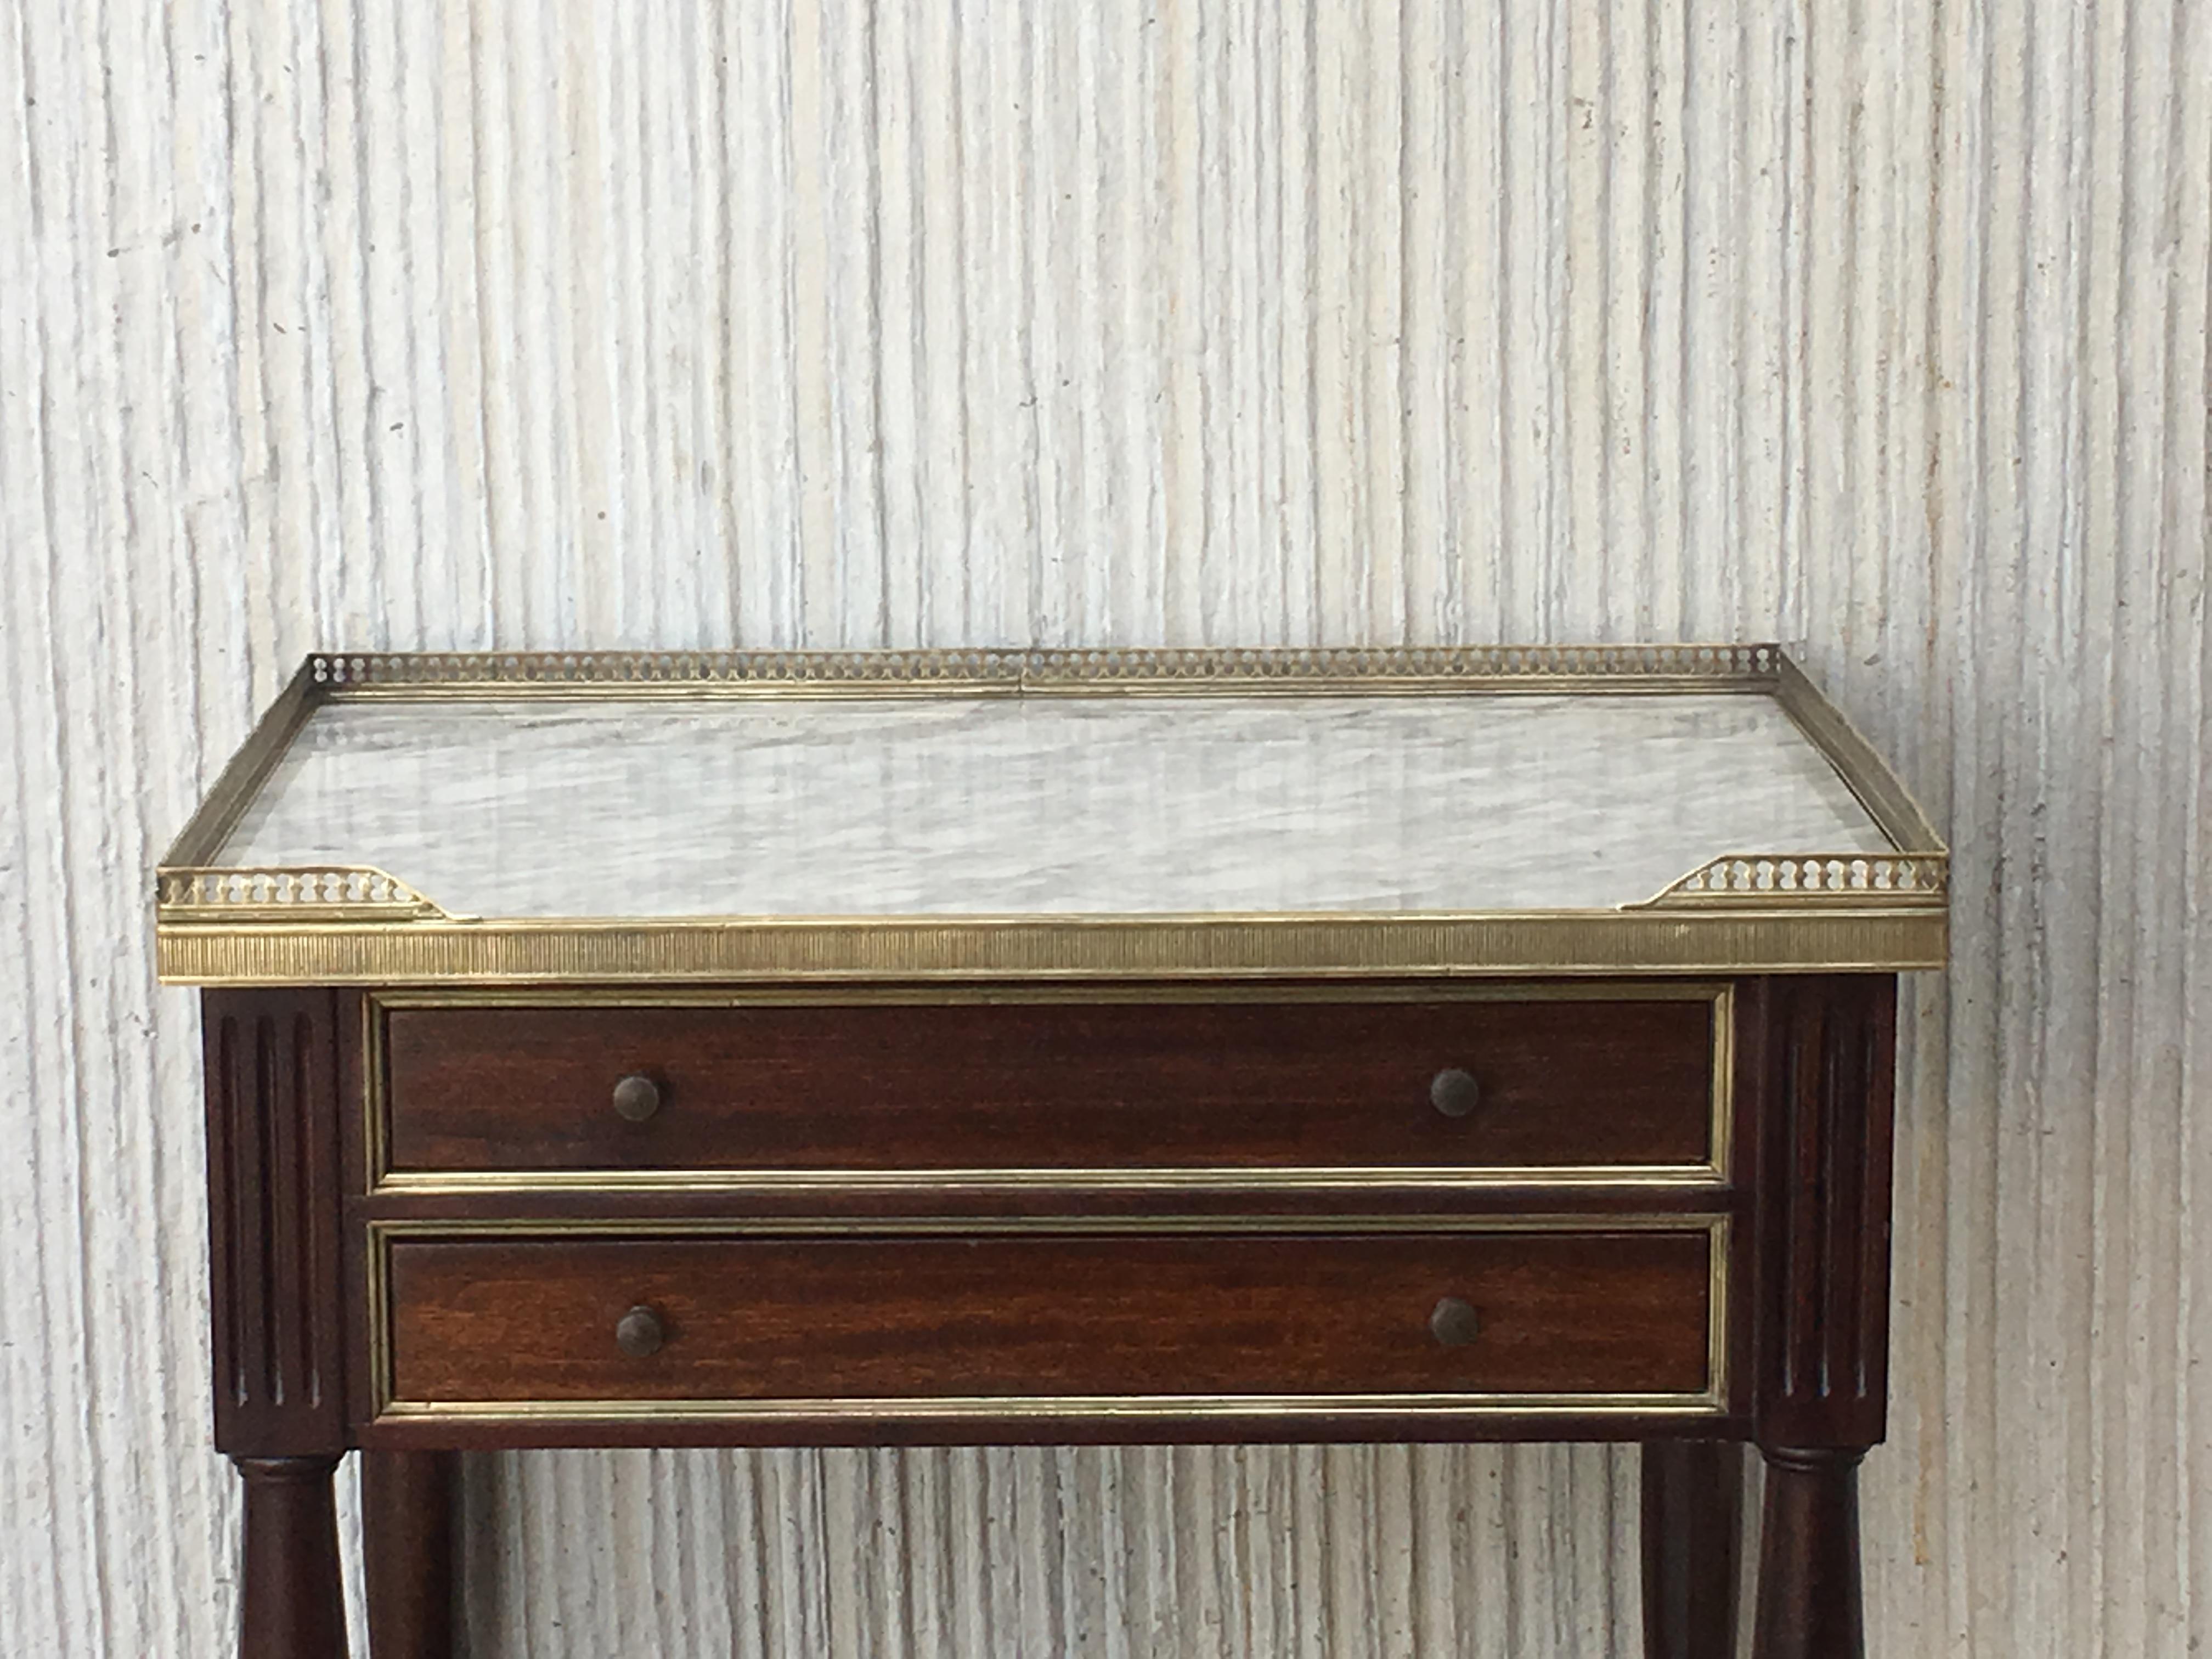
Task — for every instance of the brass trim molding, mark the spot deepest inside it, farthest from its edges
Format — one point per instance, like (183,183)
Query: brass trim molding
(1027,992)
(1714,940)
(1760,878)
(376,1104)
(1062,1226)
(1072,1179)
(202,837)
(333,893)
(1878,789)
(1711,1400)
(1058,1407)
(1745,912)
(1029,671)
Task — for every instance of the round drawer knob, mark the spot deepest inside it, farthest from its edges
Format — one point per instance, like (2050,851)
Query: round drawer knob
(1454,1323)
(637,1097)
(638,1332)
(1454,1092)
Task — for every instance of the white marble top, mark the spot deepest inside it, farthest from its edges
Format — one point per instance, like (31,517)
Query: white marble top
(521,807)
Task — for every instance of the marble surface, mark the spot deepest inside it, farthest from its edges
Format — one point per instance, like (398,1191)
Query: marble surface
(517,808)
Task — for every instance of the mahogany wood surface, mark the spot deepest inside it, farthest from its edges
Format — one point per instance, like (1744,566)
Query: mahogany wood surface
(1071,1295)
(1809,1600)
(1692,1504)
(893,1087)
(279,1297)
(407,1501)
(1035,1316)
(1827,1074)
(291,1604)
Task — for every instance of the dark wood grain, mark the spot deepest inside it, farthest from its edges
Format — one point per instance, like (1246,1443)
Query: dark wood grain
(1829,1068)
(890,1202)
(273,1217)
(1826,1061)
(291,1606)
(407,1552)
(1692,1519)
(893,1087)
(1809,1604)
(915,1318)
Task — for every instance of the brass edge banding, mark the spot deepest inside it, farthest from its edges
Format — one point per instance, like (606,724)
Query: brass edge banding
(1717,1324)
(1061,1407)
(1720,1133)
(203,836)
(735,1181)
(1712,1399)
(738,1180)
(1868,776)
(376,1097)
(376,1267)
(1692,940)
(1043,993)
(1062,1227)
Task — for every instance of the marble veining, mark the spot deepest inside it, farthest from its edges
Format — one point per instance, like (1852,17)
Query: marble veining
(517,808)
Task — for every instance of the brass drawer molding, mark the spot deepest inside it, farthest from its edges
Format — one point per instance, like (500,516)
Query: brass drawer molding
(1453,1324)
(610,1155)
(1748,910)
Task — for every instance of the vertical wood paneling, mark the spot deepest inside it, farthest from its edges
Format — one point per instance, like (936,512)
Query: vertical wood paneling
(1880,326)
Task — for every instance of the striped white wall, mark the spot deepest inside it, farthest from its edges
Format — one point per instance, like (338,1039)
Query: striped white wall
(1876,325)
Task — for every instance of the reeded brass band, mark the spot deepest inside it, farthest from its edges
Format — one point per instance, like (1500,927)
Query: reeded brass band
(1715,940)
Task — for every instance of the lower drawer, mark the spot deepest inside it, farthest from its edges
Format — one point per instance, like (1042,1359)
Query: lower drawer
(1552,1313)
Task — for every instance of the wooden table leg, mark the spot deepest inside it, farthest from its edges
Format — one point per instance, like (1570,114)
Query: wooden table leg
(407,1552)
(1822,1050)
(292,1607)
(1692,1508)
(1809,1604)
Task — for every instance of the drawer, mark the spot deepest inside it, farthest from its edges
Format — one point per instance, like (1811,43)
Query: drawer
(1549,1315)
(1560,1082)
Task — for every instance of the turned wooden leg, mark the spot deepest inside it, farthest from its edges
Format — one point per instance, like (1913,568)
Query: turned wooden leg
(1693,1506)
(292,1607)
(1808,1556)
(407,1552)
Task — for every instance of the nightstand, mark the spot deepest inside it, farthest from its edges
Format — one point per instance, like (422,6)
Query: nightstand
(996,1047)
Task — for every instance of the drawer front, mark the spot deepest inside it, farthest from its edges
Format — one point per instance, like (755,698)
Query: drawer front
(1583,1081)
(1535,1315)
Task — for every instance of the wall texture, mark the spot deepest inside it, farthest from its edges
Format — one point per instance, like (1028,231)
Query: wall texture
(1875,324)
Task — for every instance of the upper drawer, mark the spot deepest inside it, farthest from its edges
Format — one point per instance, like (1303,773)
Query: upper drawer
(1454,1085)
